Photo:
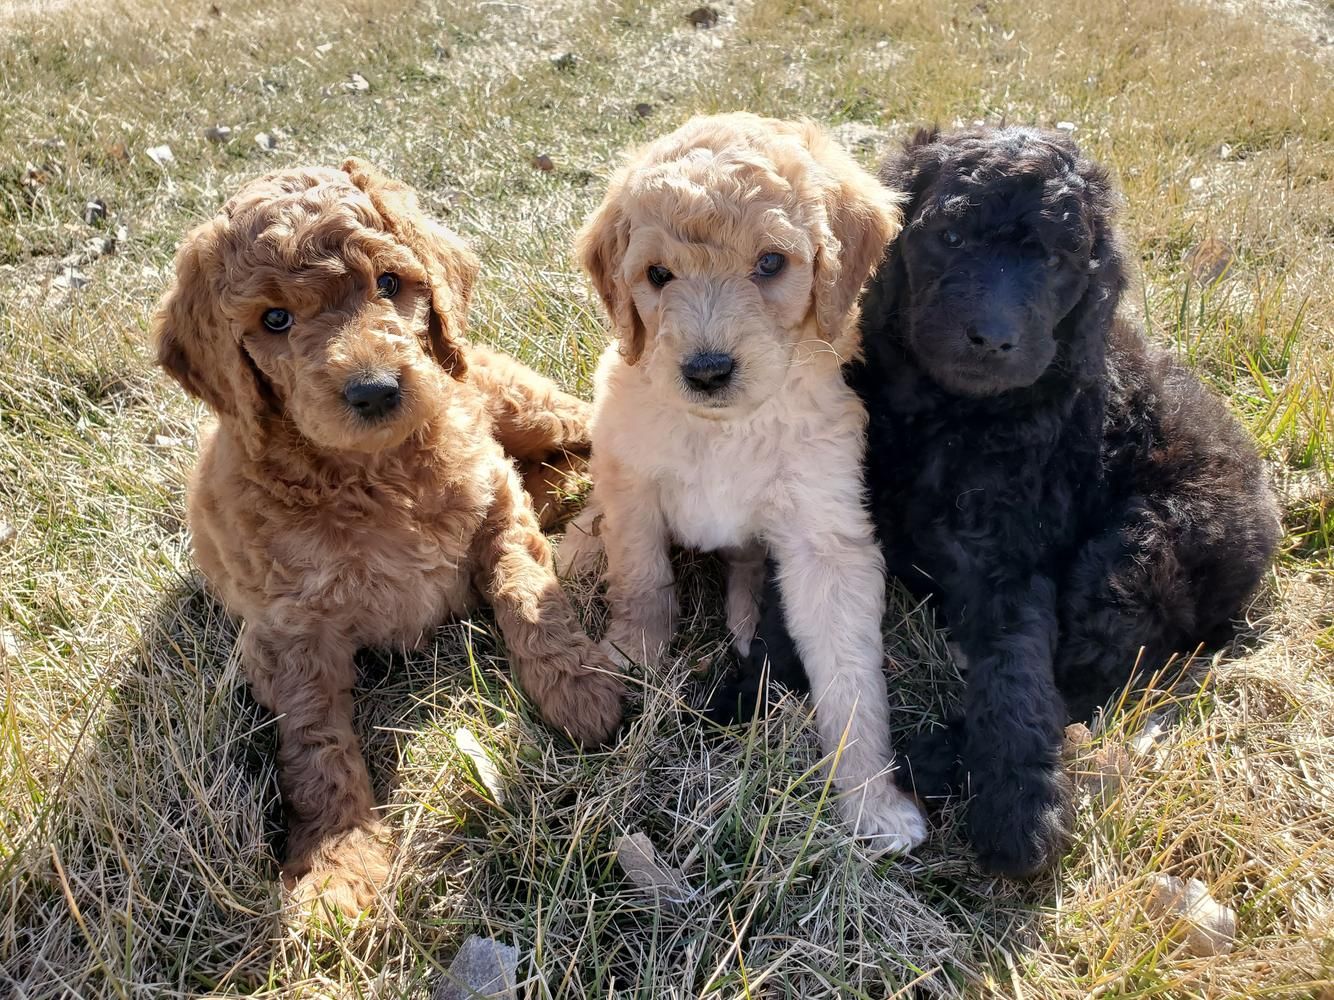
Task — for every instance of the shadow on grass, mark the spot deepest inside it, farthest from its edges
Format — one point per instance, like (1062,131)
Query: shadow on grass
(152,869)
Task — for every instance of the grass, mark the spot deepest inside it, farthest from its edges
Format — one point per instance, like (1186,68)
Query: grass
(139,819)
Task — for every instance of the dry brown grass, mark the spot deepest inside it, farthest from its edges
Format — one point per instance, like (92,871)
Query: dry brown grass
(138,810)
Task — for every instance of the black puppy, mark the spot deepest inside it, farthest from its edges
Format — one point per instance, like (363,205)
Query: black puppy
(1070,494)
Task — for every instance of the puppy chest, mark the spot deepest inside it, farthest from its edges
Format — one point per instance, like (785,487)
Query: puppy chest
(388,580)
(712,506)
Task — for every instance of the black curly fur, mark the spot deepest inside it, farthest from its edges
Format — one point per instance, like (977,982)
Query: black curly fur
(1069,493)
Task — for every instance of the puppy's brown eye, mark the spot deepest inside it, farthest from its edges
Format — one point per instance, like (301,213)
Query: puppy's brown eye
(277,320)
(951,238)
(386,286)
(658,275)
(769,264)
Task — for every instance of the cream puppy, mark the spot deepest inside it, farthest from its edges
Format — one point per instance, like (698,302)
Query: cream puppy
(730,255)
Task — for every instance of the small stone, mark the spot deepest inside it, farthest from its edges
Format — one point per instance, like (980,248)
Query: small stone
(643,110)
(357,83)
(703,17)
(161,155)
(1065,126)
(9,645)
(94,211)
(1225,152)
(639,860)
(7,534)
(1147,738)
(70,279)
(1197,183)
(323,50)
(1207,927)
(1209,260)
(218,133)
(483,967)
(543,163)
(167,441)
(564,61)
(266,142)
(1077,736)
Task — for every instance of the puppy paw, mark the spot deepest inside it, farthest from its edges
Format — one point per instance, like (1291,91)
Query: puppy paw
(882,815)
(1019,825)
(586,703)
(579,549)
(929,768)
(342,878)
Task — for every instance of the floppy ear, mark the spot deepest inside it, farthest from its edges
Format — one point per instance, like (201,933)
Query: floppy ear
(863,217)
(450,265)
(1093,314)
(600,247)
(196,350)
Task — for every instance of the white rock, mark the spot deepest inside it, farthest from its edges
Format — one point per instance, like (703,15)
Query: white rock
(358,83)
(1147,739)
(218,133)
(1065,126)
(1197,183)
(7,533)
(639,860)
(1207,926)
(161,155)
(70,278)
(266,142)
(483,967)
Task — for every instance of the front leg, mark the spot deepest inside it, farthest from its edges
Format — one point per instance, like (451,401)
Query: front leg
(832,581)
(1018,810)
(575,685)
(338,853)
(641,591)
(745,579)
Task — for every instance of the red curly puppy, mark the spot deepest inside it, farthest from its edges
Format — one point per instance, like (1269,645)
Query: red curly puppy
(356,491)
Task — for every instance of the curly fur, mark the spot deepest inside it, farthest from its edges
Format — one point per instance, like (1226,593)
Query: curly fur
(1079,504)
(327,531)
(773,458)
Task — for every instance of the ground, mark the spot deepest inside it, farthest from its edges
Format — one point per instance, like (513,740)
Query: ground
(139,820)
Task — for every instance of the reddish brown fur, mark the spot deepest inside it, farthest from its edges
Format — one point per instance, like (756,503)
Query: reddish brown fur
(326,532)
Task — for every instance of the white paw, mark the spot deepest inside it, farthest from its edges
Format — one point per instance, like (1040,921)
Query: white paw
(579,548)
(879,813)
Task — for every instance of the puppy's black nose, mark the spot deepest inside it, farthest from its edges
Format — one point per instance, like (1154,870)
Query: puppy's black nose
(707,372)
(991,338)
(372,395)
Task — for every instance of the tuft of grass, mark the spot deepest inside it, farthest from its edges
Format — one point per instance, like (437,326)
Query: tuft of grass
(139,815)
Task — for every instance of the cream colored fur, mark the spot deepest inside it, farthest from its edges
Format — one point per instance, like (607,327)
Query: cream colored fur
(773,461)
